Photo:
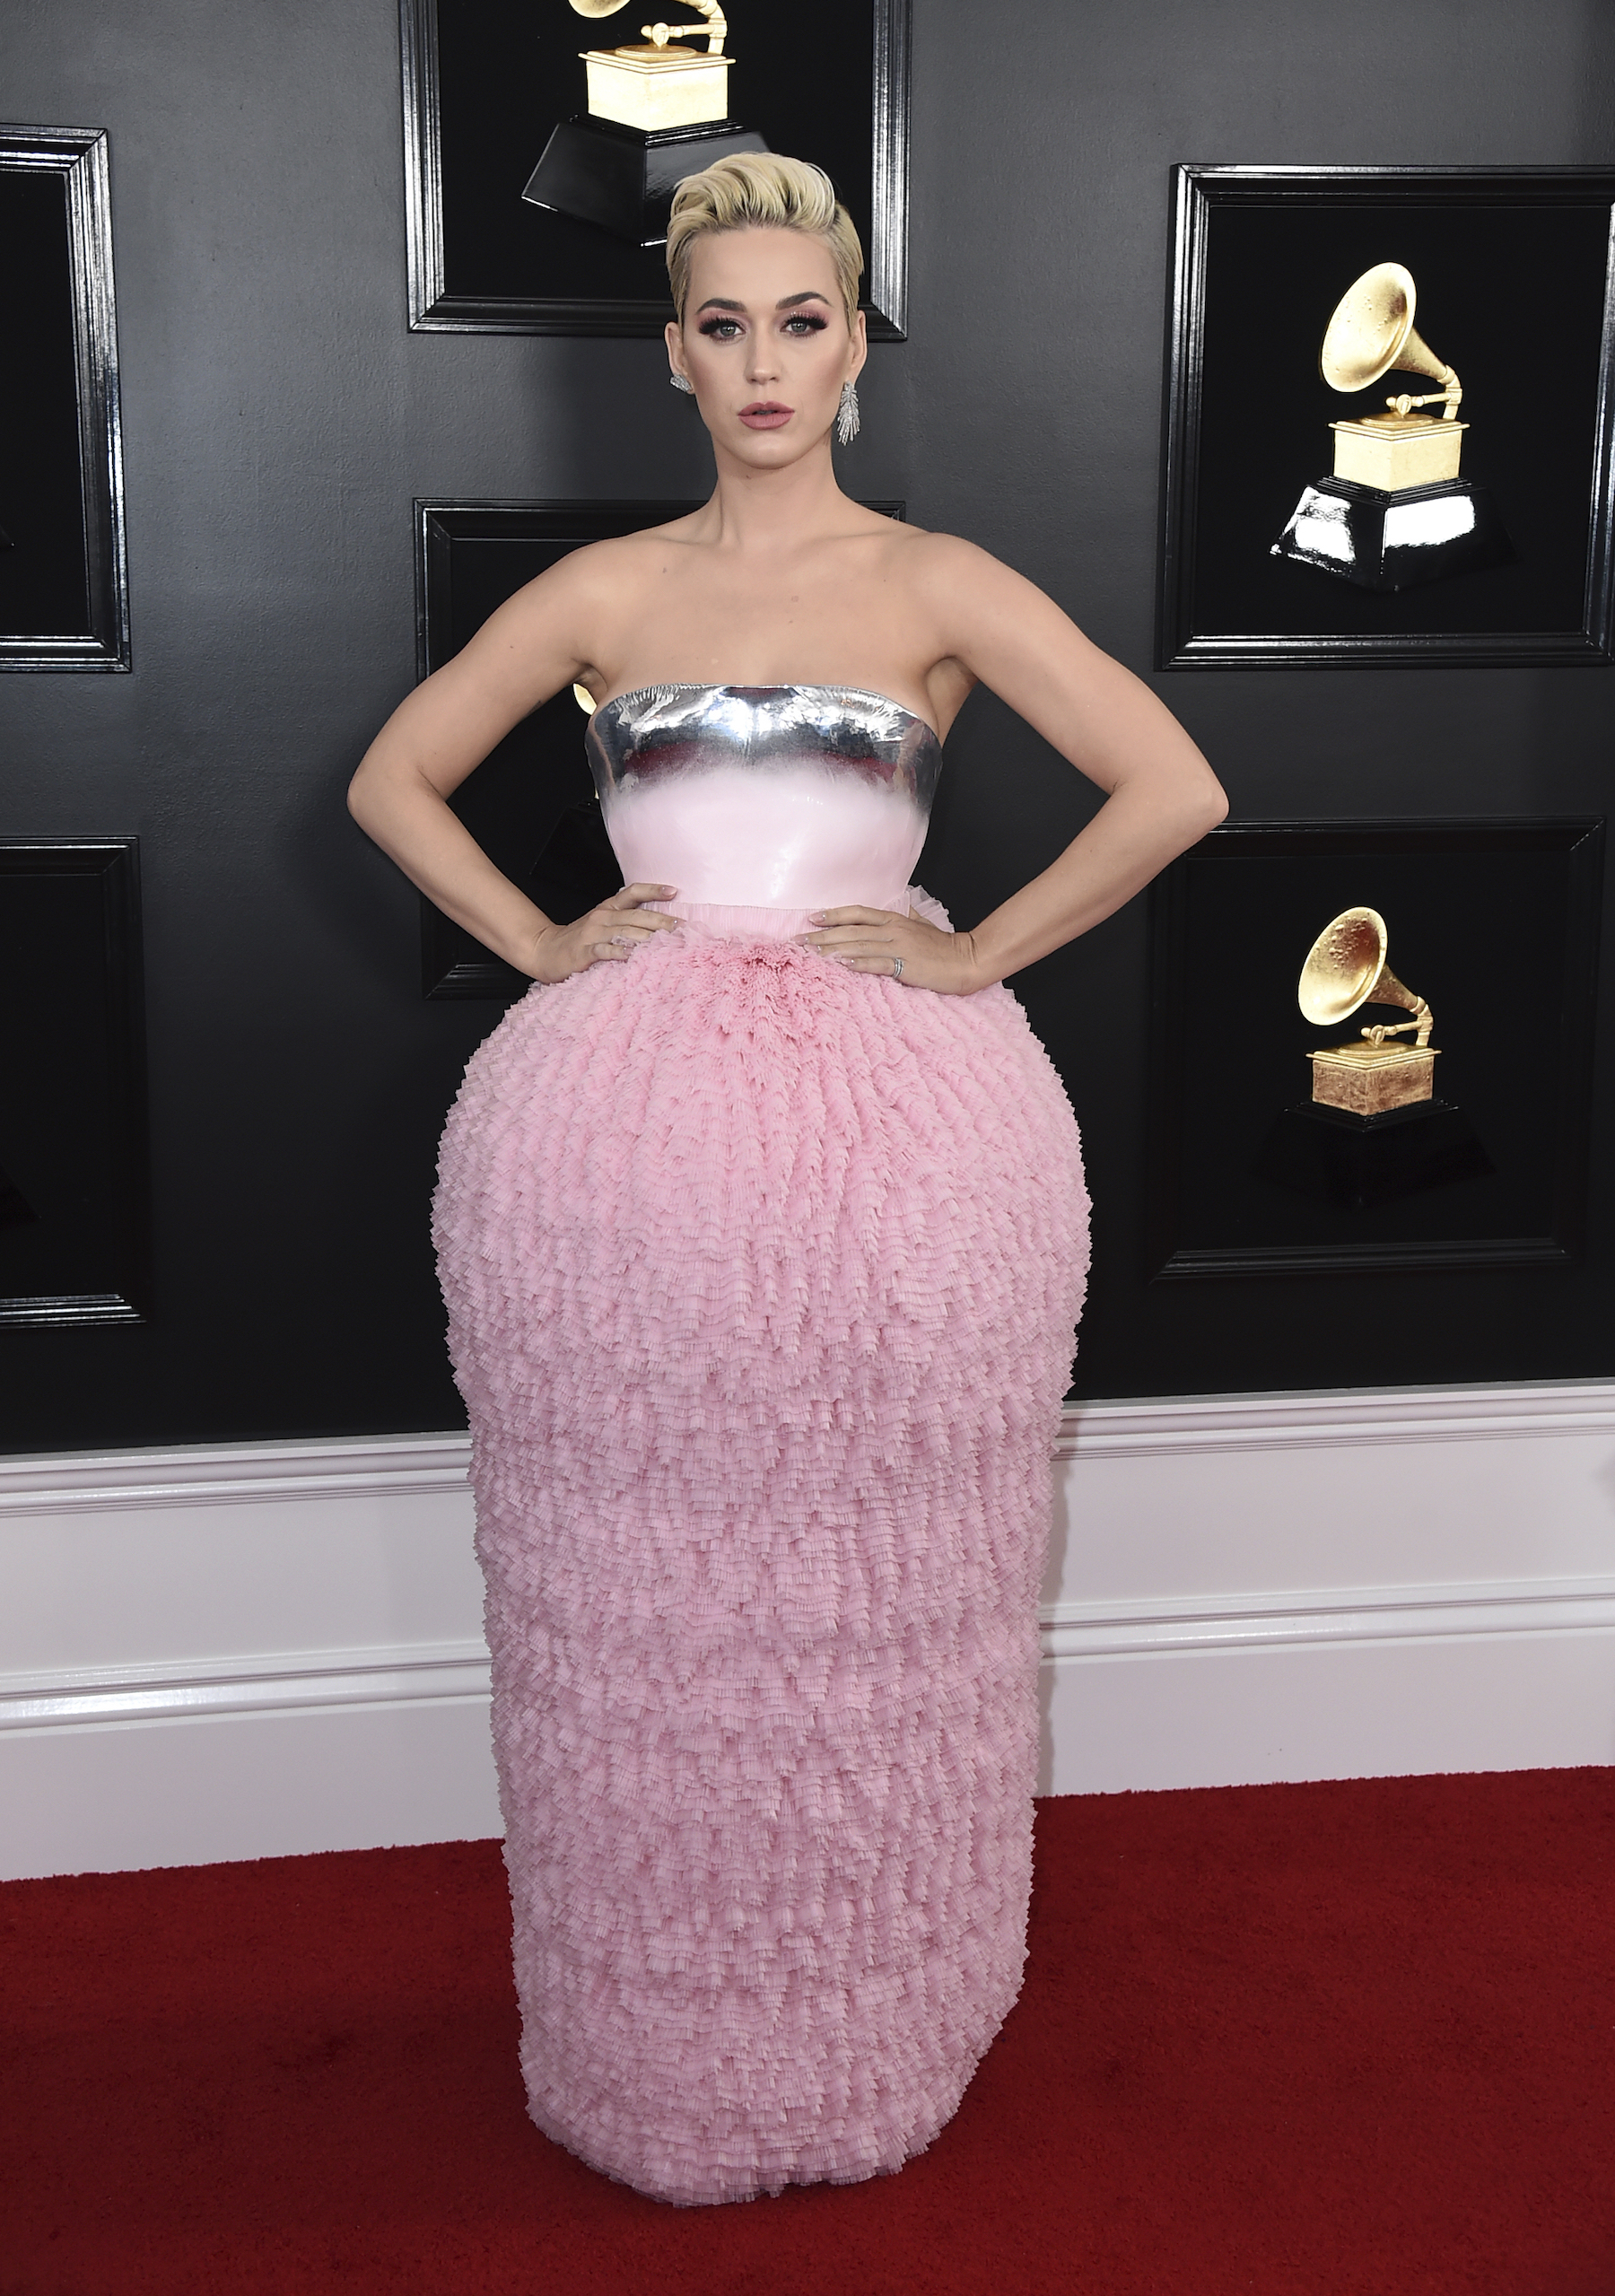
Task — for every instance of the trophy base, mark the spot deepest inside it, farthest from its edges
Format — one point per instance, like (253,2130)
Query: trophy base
(1368,1079)
(1383,540)
(621,179)
(1362,1161)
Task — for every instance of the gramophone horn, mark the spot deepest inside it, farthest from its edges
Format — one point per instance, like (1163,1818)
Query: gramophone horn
(1372,331)
(1345,967)
(597,7)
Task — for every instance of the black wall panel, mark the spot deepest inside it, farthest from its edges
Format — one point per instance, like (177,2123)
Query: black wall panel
(74,1208)
(64,570)
(44,579)
(530,805)
(280,420)
(1247,1178)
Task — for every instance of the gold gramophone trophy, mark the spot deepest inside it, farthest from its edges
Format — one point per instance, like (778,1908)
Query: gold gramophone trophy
(1345,968)
(1373,1128)
(1395,511)
(657,112)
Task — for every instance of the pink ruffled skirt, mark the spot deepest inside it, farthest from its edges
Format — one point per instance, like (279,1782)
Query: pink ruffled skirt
(761,1278)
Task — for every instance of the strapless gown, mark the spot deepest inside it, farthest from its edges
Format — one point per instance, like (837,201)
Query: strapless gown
(762,1277)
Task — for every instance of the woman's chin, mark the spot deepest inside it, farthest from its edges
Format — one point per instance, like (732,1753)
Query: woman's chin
(772,450)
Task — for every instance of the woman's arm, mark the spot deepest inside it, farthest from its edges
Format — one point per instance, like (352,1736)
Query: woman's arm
(522,654)
(1162,796)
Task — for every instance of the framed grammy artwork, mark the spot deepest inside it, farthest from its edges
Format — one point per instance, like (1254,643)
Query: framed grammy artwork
(530,805)
(1389,415)
(1372,1047)
(64,573)
(543,142)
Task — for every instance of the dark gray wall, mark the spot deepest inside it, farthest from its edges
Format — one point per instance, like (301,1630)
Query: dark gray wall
(279,418)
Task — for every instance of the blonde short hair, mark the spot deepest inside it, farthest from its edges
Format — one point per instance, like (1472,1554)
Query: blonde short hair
(761,187)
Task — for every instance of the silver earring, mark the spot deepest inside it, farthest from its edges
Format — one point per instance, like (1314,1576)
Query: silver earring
(681,382)
(846,416)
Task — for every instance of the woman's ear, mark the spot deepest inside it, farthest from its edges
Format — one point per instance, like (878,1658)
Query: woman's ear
(861,346)
(675,339)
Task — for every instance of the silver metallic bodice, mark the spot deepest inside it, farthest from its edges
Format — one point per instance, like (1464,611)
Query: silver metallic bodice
(761,803)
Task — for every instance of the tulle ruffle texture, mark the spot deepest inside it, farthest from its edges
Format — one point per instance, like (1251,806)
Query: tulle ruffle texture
(762,1277)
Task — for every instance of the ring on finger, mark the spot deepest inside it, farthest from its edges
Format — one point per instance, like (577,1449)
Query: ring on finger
(896,968)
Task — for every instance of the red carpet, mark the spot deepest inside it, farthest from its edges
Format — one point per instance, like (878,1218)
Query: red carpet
(1352,2039)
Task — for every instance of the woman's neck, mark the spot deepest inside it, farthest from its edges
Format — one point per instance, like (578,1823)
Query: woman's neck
(765,512)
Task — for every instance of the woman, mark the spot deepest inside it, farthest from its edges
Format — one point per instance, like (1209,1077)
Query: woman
(761,1228)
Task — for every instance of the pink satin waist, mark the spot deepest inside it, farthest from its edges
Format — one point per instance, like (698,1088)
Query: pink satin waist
(729,922)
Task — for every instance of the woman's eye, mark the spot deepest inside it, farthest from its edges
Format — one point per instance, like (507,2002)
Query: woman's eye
(804,323)
(724,329)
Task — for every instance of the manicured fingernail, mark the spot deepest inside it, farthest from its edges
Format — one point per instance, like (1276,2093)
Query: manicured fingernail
(816,917)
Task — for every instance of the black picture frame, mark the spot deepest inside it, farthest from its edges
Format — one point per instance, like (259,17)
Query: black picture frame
(1495,921)
(63,562)
(530,804)
(1260,257)
(477,108)
(74,1176)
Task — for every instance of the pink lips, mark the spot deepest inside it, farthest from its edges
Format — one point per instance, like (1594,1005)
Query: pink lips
(765,415)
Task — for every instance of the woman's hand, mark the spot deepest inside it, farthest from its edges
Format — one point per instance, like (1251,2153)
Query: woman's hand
(905,948)
(608,935)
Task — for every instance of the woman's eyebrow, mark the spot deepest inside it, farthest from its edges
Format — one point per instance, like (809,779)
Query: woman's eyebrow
(785,303)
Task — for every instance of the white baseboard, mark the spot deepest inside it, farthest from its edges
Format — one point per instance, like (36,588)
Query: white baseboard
(249,1650)
(263,1649)
(1249,1588)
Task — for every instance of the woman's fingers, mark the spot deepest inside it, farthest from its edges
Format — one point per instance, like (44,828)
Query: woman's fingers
(611,931)
(830,918)
(853,938)
(620,925)
(632,896)
(834,939)
(893,947)
(625,912)
(854,943)
(627,925)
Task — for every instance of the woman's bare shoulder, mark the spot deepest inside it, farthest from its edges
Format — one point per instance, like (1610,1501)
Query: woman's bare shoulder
(949,558)
(958,583)
(605,565)
(608,577)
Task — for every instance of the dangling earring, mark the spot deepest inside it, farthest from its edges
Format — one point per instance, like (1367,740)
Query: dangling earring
(681,382)
(846,416)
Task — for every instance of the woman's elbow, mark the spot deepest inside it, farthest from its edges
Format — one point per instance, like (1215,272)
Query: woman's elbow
(1198,801)
(362,793)
(1212,804)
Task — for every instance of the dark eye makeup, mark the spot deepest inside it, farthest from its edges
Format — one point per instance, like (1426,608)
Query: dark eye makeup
(724,327)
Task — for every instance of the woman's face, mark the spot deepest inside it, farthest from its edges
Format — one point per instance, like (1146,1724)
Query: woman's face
(765,341)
